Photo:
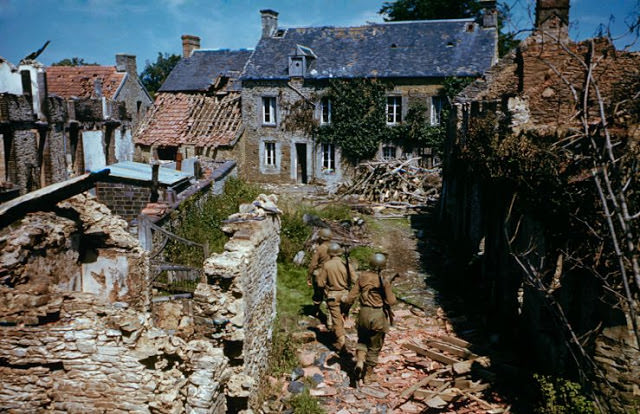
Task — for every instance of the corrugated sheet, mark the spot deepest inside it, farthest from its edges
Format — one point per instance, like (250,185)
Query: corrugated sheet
(435,48)
(142,172)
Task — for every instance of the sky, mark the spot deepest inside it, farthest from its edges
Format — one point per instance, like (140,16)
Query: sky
(96,30)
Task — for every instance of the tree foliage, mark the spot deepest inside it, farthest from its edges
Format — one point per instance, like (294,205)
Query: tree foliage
(74,61)
(155,73)
(401,10)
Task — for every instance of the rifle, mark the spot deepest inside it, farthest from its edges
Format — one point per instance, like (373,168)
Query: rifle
(346,259)
(386,308)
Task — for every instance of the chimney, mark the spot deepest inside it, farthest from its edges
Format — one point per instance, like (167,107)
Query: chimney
(189,44)
(489,13)
(269,22)
(552,16)
(126,63)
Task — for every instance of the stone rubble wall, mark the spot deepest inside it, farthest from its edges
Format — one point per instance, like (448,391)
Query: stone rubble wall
(236,305)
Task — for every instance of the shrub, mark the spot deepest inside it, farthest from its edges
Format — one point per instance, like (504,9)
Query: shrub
(304,403)
(560,396)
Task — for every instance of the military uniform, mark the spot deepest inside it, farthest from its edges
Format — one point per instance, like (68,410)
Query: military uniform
(372,322)
(335,281)
(319,258)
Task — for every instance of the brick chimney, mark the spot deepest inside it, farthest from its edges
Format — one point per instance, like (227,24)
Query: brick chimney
(126,63)
(489,13)
(189,44)
(269,22)
(552,16)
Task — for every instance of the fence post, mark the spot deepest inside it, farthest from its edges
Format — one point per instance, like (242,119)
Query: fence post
(144,233)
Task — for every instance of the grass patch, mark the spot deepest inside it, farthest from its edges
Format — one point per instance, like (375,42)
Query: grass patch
(293,292)
(304,403)
(361,256)
(283,358)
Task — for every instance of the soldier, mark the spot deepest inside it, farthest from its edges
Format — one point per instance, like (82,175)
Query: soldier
(319,258)
(336,279)
(376,298)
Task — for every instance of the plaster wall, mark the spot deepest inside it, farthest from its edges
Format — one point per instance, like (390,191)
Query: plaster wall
(93,148)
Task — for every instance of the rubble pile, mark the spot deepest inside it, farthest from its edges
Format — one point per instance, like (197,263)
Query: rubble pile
(421,368)
(394,182)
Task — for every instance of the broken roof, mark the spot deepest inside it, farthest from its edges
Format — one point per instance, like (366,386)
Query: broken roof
(192,119)
(428,48)
(79,81)
(199,72)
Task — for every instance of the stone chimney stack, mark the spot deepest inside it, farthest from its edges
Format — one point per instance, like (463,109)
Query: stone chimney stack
(126,63)
(489,13)
(189,44)
(552,17)
(269,22)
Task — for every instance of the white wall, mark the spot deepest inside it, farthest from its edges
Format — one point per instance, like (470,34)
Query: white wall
(124,145)
(93,146)
(10,82)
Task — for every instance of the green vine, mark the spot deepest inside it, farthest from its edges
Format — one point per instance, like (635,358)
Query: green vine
(358,122)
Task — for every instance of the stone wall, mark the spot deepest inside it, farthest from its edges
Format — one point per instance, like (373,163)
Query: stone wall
(287,168)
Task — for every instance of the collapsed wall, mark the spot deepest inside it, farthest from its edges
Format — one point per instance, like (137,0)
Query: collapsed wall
(76,329)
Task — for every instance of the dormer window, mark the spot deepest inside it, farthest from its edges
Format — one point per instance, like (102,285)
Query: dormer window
(300,61)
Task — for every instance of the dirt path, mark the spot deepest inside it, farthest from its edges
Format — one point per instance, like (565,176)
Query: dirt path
(399,368)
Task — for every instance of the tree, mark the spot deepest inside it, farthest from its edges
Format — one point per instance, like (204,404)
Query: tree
(154,74)
(400,10)
(428,9)
(74,61)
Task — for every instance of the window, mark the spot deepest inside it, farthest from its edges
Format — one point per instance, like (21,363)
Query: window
(388,152)
(270,154)
(328,158)
(394,110)
(269,110)
(325,106)
(436,110)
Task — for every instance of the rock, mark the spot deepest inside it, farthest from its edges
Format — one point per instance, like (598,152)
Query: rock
(297,373)
(317,378)
(295,387)
(374,392)
(323,392)
(306,358)
(311,371)
(304,336)
(240,385)
(321,359)
(299,258)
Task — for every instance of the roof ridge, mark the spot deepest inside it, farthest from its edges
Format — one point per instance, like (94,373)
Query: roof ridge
(370,24)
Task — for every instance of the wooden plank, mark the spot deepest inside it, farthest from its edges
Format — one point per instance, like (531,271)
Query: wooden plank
(436,356)
(447,395)
(409,391)
(453,350)
(455,341)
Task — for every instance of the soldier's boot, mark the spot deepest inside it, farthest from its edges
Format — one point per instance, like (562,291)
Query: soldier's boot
(360,356)
(369,375)
(340,343)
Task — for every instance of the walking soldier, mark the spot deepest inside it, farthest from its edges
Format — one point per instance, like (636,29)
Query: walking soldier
(319,258)
(336,280)
(374,318)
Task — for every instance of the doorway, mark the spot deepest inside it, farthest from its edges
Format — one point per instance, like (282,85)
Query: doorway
(301,164)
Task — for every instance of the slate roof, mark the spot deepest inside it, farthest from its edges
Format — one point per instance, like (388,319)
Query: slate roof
(193,119)
(427,48)
(79,81)
(200,71)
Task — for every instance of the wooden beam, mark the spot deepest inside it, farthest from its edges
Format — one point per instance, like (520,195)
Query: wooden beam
(46,198)
(454,350)
(455,341)
(436,356)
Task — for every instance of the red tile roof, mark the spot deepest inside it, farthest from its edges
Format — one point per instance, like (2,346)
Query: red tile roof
(79,81)
(192,119)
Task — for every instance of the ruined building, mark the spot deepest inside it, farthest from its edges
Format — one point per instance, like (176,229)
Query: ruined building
(520,201)
(293,66)
(58,122)
(81,332)
(197,111)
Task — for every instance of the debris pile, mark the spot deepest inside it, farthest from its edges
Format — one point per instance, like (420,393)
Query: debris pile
(399,182)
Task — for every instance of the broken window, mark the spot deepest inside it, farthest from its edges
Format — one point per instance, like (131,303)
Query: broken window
(328,158)
(270,154)
(325,106)
(394,110)
(436,110)
(269,110)
(388,152)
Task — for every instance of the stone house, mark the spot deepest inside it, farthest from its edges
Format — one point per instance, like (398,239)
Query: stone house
(534,94)
(197,111)
(110,84)
(293,65)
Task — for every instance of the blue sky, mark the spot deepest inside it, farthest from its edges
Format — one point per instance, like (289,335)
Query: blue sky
(98,29)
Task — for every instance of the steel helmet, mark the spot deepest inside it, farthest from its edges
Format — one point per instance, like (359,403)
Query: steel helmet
(378,261)
(324,233)
(334,249)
